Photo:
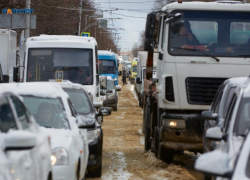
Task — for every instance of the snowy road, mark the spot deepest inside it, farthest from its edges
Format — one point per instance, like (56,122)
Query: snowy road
(123,151)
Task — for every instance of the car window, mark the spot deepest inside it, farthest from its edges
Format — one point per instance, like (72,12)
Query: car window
(229,114)
(48,112)
(7,120)
(110,85)
(217,99)
(228,99)
(242,123)
(21,112)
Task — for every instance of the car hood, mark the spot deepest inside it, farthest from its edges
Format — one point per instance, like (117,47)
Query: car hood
(59,137)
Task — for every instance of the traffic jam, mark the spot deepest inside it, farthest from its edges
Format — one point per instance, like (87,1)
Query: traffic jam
(175,106)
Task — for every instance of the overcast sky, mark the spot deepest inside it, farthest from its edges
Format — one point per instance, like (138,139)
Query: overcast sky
(133,14)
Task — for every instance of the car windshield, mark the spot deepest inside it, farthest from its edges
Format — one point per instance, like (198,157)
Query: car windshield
(215,34)
(242,123)
(110,85)
(79,100)
(75,65)
(134,69)
(48,112)
(107,67)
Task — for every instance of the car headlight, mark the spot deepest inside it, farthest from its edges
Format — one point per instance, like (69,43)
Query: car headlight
(92,135)
(59,156)
(174,123)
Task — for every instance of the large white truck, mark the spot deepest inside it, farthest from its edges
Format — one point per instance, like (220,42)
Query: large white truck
(200,44)
(63,58)
(8,41)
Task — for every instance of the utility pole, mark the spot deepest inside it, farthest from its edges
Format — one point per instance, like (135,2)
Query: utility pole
(27,30)
(80,18)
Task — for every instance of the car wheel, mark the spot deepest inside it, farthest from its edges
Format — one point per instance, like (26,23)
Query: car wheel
(166,155)
(97,172)
(115,108)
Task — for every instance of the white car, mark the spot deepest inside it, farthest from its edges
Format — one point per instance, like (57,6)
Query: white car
(53,110)
(26,147)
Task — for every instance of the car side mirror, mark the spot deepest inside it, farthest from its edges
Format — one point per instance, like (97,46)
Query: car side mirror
(17,140)
(104,111)
(214,163)
(214,134)
(118,88)
(137,80)
(209,115)
(119,73)
(84,123)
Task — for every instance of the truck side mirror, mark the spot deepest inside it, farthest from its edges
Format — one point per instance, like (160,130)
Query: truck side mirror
(137,80)
(15,74)
(149,45)
(150,26)
(6,78)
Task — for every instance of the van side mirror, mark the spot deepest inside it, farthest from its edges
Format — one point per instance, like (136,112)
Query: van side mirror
(15,74)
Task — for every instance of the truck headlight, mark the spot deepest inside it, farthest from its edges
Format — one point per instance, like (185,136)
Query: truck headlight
(59,156)
(174,123)
(92,135)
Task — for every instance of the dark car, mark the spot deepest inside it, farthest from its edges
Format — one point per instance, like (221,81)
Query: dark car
(110,95)
(88,118)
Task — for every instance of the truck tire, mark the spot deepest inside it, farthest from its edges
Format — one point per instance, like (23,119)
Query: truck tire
(166,155)
(147,143)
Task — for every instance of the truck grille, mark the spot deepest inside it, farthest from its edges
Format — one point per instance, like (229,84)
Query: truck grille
(202,90)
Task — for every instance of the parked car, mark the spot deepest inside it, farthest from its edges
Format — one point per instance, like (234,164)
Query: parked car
(110,95)
(230,135)
(219,108)
(54,111)
(87,119)
(26,146)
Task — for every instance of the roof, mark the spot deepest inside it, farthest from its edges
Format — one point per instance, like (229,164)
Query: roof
(209,6)
(62,38)
(106,55)
(71,85)
(40,89)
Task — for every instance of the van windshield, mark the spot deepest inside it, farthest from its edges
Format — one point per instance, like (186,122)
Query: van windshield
(216,33)
(47,64)
(107,66)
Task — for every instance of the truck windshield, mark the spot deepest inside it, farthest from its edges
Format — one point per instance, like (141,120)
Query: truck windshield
(107,67)
(134,69)
(75,65)
(215,33)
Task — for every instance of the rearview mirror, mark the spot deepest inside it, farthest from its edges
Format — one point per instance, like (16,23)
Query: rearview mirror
(214,134)
(104,111)
(17,140)
(173,18)
(137,80)
(118,88)
(214,163)
(209,115)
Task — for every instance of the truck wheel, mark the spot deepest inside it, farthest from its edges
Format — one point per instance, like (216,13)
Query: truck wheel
(147,142)
(166,155)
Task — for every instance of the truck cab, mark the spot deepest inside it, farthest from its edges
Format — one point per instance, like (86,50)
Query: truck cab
(108,65)
(199,45)
(58,58)
(133,71)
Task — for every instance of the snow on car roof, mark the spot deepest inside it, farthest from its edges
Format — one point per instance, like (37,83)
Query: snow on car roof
(41,89)
(69,84)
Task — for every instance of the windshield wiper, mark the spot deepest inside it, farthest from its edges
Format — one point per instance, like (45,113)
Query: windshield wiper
(196,50)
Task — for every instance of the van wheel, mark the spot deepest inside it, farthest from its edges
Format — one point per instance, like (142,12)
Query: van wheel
(166,155)
(97,172)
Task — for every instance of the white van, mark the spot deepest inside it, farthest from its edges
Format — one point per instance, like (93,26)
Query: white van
(63,58)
